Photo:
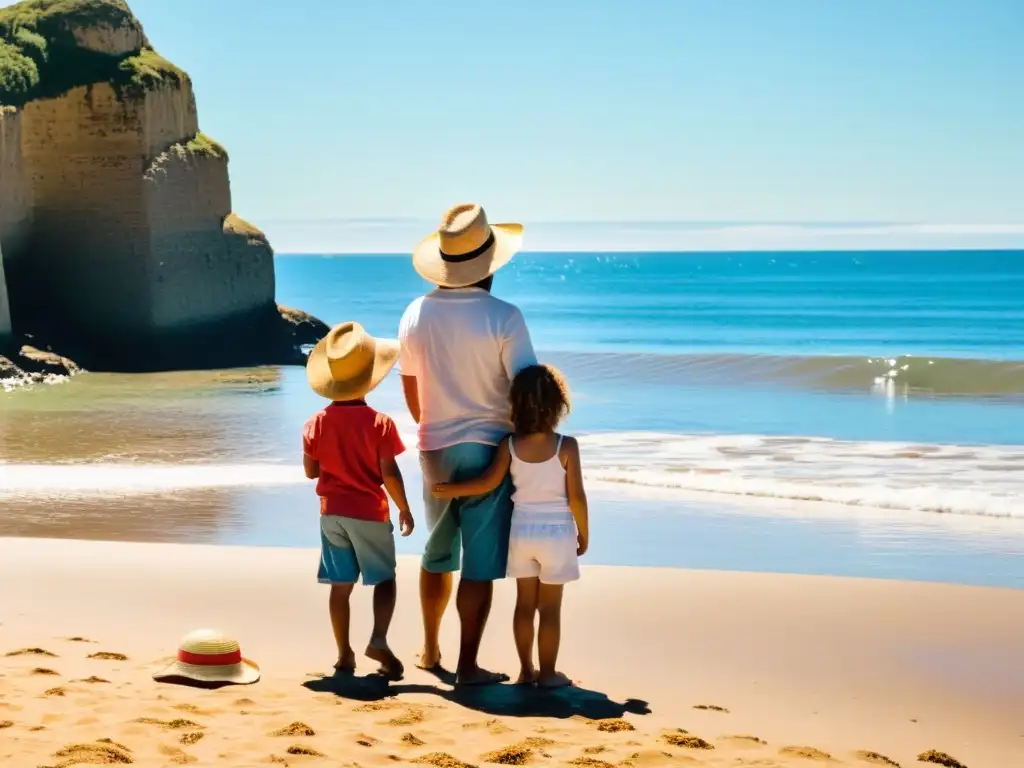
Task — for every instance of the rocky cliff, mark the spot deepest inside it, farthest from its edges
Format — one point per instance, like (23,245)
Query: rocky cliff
(117,232)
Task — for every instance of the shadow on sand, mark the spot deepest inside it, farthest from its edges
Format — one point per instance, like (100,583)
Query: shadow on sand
(502,699)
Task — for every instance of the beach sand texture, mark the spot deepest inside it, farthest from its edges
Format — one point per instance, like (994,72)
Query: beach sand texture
(674,668)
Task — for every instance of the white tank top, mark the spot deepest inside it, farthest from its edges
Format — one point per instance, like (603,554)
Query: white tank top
(538,485)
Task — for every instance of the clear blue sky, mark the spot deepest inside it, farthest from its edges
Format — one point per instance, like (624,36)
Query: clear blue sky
(735,110)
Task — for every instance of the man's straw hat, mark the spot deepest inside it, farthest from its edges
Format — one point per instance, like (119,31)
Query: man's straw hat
(348,362)
(466,249)
(208,656)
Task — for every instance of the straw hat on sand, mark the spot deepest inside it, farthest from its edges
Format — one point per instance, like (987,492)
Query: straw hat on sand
(466,249)
(208,656)
(348,362)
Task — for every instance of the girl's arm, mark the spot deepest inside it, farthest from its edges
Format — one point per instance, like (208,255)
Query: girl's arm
(577,494)
(487,482)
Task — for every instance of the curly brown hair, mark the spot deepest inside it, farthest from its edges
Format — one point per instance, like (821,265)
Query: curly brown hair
(540,399)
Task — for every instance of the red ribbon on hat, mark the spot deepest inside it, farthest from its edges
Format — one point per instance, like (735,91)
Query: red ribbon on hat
(210,659)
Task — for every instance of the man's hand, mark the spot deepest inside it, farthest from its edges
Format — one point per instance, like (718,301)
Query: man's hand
(581,545)
(405,522)
(443,491)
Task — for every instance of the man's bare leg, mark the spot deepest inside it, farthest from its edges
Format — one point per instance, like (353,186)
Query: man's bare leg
(474,604)
(435,592)
(338,605)
(384,596)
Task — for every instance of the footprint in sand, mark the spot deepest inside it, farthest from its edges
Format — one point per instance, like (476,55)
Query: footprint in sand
(681,738)
(591,762)
(96,753)
(92,680)
(516,754)
(56,692)
(170,725)
(809,753)
(442,760)
(191,738)
(5,724)
(409,739)
(294,729)
(31,652)
(614,725)
(745,741)
(107,656)
(874,757)
(940,758)
(411,717)
(44,671)
(77,639)
(298,749)
(177,756)
(711,708)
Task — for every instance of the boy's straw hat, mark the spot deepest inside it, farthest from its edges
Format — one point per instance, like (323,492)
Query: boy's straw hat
(348,362)
(208,656)
(466,249)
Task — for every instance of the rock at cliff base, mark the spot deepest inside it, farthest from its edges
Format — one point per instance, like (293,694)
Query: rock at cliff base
(301,327)
(43,361)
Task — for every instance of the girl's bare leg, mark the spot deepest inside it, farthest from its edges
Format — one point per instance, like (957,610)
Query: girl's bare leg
(522,627)
(549,635)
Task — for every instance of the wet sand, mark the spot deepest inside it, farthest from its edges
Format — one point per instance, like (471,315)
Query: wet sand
(674,667)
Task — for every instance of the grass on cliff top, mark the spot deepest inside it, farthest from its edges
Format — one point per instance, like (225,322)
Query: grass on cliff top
(201,144)
(40,58)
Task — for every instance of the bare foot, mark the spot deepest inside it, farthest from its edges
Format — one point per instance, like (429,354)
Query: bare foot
(479,676)
(429,660)
(346,663)
(528,676)
(390,666)
(555,680)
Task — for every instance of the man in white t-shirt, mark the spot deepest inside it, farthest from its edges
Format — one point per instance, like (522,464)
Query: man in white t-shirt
(460,349)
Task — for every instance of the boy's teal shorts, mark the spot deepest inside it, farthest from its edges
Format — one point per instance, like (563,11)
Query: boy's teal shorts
(350,547)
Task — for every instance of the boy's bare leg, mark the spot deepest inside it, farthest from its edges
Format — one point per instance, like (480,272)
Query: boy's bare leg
(340,619)
(435,592)
(384,597)
(523,627)
(549,635)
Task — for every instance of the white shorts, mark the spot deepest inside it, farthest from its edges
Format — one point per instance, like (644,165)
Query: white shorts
(552,560)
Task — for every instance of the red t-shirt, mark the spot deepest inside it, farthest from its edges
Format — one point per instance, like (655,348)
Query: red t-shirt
(348,439)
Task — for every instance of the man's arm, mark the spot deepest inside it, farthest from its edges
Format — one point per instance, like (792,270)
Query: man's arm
(517,350)
(412,396)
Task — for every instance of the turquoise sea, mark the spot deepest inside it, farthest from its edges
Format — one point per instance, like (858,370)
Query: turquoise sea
(850,413)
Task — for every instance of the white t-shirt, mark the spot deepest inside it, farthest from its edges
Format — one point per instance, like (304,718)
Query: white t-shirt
(464,346)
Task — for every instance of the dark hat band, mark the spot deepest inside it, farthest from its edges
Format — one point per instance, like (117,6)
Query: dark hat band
(458,258)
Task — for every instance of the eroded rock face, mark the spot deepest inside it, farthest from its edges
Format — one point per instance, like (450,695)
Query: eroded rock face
(113,40)
(119,241)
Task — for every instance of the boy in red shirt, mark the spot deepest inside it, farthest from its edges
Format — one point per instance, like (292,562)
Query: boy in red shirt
(350,449)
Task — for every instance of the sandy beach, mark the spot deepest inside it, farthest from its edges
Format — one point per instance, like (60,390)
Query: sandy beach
(674,667)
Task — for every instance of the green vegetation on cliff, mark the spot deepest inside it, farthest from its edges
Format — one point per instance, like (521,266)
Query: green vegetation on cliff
(41,57)
(201,144)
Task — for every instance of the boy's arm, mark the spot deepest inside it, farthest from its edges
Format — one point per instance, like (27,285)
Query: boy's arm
(485,483)
(577,494)
(395,486)
(311,466)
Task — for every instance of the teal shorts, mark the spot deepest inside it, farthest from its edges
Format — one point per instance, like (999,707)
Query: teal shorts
(350,547)
(479,526)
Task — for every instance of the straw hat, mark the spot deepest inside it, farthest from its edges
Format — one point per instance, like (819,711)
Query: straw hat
(208,656)
(348,362)
(466,249)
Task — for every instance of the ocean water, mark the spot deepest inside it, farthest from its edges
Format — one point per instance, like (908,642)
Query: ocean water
(801,398)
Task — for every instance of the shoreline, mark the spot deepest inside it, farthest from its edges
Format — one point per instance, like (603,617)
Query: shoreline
(834,663)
